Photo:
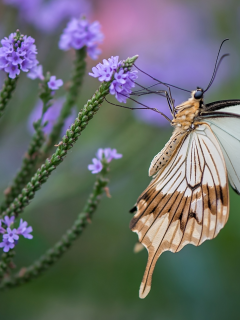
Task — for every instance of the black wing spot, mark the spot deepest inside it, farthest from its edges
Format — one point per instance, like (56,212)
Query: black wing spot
(134,209)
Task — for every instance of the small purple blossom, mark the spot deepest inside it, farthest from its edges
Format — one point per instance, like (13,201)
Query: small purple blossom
(15,58)
(18,53)
(25,230)
(12,70)
(11,235)
(104,71)
(96,167)
(8,220)
(115,155)
(36,72)
(122,86)
(108,153)
(120,76)
(80,33)
(54,84)
(6,245)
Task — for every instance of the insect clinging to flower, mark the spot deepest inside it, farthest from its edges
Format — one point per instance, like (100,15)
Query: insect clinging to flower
(187,200)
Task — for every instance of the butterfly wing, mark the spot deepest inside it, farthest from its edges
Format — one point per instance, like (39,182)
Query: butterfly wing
(186,202)
(225,123)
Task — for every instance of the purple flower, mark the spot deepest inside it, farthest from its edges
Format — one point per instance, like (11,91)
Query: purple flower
(126,87)
(12,71)
(54,84)
(80,33)
(17,53)
(50,116)
(120,76)
(104,71)
(6,245)
(115,155)
(3,62)
(40,12)
(25,230)
(96,167)
(122,86)
(15,58)
(11,235)
(108,153)
(36,72)
(8,220)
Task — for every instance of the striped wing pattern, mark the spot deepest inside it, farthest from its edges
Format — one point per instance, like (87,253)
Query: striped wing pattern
(187,201)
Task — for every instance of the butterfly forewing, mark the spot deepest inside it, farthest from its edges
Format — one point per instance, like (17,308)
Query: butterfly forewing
(186,202)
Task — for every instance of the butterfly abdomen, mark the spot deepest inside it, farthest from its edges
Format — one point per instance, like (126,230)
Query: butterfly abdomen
(163,157)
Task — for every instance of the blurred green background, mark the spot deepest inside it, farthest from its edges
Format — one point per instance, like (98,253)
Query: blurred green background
(99,277)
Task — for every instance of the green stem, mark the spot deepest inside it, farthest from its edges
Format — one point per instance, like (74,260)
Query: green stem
(5,262)
(76,82)
(31,157)
(72,135)
(6,93)
(66,241)
(26,171)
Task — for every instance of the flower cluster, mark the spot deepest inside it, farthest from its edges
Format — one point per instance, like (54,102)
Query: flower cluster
(106,154)
(80,33)
(11,235)
(17,53)
(123,81)
(39,13)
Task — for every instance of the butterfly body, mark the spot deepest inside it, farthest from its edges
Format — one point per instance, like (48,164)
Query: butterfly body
(186,113)
(183,122)
(187,201)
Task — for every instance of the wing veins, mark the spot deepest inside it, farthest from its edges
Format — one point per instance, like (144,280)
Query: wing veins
(157,195)
(224,130)
(164,204)
(186,223)
(163,238)
(202,189)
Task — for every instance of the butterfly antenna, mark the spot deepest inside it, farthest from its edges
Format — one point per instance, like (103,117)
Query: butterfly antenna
(217,64)
(163,83)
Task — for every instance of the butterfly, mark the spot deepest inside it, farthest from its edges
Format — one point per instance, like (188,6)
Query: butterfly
(187,200)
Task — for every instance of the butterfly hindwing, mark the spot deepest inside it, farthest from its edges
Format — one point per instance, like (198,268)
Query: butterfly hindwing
(185,203)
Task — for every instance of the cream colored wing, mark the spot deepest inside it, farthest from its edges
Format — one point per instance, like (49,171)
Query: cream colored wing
(227,131)
(186,203)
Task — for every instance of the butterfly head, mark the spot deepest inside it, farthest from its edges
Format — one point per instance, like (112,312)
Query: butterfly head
(198,94)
